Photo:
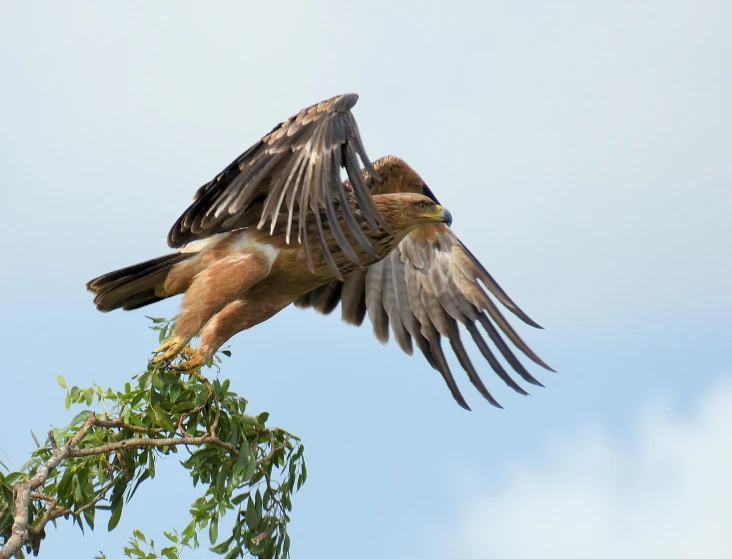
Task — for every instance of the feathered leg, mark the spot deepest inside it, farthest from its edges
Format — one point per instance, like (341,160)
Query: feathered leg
(235,317)
(211,291)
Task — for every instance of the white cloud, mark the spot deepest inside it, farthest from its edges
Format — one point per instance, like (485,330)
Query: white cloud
(666,493)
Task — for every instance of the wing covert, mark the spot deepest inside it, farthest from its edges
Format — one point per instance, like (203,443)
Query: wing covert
(295,168)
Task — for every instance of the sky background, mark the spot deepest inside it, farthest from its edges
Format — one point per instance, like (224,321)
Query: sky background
(585,152)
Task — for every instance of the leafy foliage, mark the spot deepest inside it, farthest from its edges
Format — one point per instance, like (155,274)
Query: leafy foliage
(241,464)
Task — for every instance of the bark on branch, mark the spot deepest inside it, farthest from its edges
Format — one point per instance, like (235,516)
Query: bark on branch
(22,532)
(25,534)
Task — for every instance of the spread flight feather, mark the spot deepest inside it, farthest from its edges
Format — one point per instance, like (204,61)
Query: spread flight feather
(279,226)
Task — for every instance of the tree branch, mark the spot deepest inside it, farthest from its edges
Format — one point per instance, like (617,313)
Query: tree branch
(90,504)
(119,424)
(22,531)
(73,476)
(156,443)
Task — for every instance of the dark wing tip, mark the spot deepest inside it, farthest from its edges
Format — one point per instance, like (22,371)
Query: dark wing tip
(463,404)
(348,101)
(338,104)
(516,310)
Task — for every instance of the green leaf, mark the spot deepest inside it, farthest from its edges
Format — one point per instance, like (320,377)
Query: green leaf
(239,498)
(7,492)
(157,382)
(89,517)
(251,515)
(35,439)
(64,487)
(213,529)
(80,418)
(116,514)
(258,505)
(233,437)
(162,419)
(67,400)
(143,477)
(189,532)
(304,474)
(182,406)
(235,552)
(61,381)
(248,420)
(245,463)
(221,478)
(174,392)
(139,535)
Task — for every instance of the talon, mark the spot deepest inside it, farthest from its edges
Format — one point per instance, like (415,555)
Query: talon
(193,360)
(168,351)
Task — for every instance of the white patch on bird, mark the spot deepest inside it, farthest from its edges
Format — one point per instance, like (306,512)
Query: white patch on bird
(244,241)
(203,244)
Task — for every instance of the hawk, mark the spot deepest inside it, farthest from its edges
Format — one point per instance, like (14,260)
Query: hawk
(280,226)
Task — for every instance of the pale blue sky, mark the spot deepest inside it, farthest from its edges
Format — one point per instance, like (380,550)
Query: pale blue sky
(583,148)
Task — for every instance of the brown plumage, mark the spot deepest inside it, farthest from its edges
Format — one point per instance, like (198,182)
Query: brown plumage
(279,226)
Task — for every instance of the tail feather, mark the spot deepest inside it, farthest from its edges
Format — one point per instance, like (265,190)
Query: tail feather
(135,286)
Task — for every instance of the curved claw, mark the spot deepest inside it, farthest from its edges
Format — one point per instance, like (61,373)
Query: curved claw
(193,360)
(168,351)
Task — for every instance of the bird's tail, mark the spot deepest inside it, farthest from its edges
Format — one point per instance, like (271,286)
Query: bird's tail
(135,286)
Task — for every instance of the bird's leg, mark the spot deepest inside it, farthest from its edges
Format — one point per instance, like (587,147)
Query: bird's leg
(235,317)
(210,293)
(222,327)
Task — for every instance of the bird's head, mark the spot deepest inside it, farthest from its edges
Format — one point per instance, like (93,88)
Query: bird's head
(405,211)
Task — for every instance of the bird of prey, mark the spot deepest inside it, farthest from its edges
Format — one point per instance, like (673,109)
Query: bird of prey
(280,225)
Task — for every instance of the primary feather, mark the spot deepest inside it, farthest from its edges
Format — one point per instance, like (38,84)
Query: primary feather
(278,225)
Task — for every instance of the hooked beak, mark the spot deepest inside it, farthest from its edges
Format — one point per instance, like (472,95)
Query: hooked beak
(445,215)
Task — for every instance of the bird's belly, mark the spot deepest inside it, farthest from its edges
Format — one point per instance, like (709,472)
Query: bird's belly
(289,277)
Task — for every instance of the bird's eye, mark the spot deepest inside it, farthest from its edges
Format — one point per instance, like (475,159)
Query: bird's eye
(423,206)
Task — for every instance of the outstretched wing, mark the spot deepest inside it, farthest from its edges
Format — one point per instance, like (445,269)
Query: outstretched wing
(297,164)
(422,291)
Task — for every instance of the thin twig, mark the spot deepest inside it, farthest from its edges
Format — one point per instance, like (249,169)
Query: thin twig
(215,423)
(119,424)
(102,494)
